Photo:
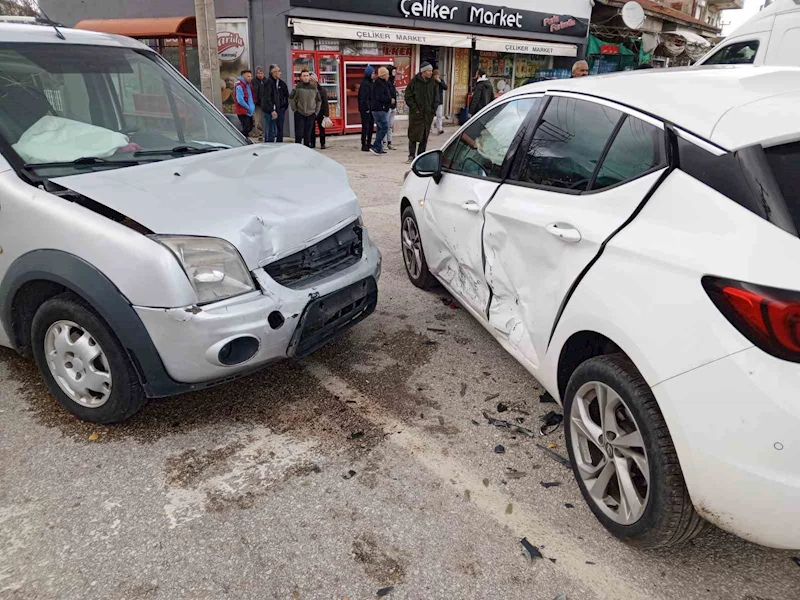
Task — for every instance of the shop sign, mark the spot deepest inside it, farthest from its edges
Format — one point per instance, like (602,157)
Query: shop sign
(524,47)
(230,46)
(234,57)
(459,12)
(609,49)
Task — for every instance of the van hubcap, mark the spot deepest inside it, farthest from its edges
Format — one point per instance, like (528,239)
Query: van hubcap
(412,248)
(609,453)
(78,364)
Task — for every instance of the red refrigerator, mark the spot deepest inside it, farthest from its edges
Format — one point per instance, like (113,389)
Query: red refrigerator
(354,68)
(328,67)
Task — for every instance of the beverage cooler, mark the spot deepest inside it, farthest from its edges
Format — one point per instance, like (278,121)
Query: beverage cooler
(327,66)
(354,68)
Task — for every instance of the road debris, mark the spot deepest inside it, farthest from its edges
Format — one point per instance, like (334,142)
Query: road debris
(548,484)
(357,435)
(467,495)
(485,482)
(499,449)
(384,591)
(349,475)
(437,330)
(588,562)
(441,420)
(501,407)
(796,560)
(552,560)
(474,422)
(568,505)
(509,509)
(506,425)
(491,397)
(555,456)
(463,391)
(94,437)
(560,596)
(530,549)
(450,303)
(546,398)
(430,342)
(514,474)
(550,422)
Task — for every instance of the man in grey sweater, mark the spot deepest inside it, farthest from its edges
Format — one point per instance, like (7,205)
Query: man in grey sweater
(306,103)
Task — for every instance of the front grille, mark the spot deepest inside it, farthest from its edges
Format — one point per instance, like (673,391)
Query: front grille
(333,254)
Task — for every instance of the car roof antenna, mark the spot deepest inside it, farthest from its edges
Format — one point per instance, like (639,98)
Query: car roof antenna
(48,21)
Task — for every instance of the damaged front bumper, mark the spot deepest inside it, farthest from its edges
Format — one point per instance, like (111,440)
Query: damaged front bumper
(220,341)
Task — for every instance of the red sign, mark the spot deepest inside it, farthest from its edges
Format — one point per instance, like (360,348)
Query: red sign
(555,23)
(230,45)
(609,49)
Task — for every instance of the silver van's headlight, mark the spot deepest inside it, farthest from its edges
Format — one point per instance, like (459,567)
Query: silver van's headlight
(214,267)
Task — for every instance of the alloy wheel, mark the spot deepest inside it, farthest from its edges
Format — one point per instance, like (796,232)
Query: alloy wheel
(78,364)
(609,453)
(412,248)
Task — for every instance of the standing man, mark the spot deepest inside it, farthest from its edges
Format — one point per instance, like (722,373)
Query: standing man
(580,69)
(387,142)
(306,104)
(380,106)
(245,105)
(421,102)
(441,88)
(259,88)
(325,111)
(364,101)
(482,95)
(274,103)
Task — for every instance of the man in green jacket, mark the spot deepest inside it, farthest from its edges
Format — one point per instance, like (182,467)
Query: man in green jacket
(421,102)
(306,104)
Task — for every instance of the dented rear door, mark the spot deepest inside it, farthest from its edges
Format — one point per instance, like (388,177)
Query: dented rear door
(474,166)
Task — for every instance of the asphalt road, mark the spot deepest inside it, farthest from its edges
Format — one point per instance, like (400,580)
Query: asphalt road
(365,467)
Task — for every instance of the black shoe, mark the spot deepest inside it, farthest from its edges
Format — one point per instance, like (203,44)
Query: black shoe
(365,148)
(323,147)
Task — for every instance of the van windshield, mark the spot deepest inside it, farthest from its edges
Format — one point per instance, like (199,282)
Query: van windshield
(67,109)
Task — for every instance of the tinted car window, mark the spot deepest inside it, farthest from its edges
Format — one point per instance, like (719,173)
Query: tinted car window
(741,53)
(568,143)
(484,143)
(637,148)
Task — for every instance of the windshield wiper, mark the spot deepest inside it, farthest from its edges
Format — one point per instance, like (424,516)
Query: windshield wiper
(178,150)
(85,161)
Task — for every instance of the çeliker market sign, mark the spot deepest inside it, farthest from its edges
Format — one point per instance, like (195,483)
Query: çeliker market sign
(461,13)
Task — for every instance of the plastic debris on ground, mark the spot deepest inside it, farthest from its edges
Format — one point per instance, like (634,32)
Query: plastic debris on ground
(550,422)
(514,474)
(546,398)
(796,560)
(506,425)
(555,456)
(499,449)
(463,391)
(531,550)
(441,421)
(568,505)
(349,475)
(491,397)
(548,484)
(357,435)
(560,596)
(501,408)
(384,591)
(437,330)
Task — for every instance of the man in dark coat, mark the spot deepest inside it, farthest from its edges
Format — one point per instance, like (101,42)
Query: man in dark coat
(364,102)
(324,111)
(380,107)
(259,87)
(482,95)
(421,102)
(274,103)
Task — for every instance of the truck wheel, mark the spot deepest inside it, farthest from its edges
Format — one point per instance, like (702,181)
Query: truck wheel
(623,457)
(83,363)
(413,254)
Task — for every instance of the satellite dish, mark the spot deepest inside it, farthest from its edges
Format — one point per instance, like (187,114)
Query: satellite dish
(633,15)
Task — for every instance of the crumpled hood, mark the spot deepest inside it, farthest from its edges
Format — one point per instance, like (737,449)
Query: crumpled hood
(269,201)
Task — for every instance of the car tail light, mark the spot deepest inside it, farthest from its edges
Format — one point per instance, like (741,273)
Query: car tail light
(768,317)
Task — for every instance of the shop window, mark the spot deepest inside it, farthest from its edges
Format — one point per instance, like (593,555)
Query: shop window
(481,149)
(568,144)
(638,148)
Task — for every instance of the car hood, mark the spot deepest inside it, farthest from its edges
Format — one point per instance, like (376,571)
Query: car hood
(269,201)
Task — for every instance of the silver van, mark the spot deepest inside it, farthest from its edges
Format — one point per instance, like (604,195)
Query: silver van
(146,247)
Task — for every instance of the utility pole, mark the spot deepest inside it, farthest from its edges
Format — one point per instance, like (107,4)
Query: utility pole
(206,16)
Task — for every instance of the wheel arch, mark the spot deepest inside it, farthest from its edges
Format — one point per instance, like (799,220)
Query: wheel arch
(580,347)
(404,204)
(37,276)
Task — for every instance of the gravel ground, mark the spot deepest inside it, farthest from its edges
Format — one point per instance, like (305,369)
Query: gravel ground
(366,467)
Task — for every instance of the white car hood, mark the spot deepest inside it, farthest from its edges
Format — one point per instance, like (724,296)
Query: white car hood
(269,201)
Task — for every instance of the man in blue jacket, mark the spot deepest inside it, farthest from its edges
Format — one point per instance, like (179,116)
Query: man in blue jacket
(245,102)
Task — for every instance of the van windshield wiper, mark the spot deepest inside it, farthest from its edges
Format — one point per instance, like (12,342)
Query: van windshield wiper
(178,150)
(84,161)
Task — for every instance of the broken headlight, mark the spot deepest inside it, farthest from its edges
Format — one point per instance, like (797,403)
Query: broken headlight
(213,266)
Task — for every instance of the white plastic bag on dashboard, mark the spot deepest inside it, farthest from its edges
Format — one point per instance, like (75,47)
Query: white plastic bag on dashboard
(55,139)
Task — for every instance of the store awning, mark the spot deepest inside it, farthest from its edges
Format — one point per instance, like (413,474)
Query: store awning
(143,28)
(690,36)
(524,46)
(367,33)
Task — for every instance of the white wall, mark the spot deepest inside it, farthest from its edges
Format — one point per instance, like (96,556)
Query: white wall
(575,8)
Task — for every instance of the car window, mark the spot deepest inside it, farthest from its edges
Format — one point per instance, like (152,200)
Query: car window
(482,146)
(783,161)
(568,143)
(740,53)
(637,148)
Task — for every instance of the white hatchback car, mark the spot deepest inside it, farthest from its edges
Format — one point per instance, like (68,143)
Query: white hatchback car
(628,239)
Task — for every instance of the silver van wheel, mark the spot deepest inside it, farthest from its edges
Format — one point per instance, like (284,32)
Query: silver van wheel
(78,364)
(609,453)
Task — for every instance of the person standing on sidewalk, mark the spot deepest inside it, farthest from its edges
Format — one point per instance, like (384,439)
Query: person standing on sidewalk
(364,101)
(274,104)
(306,104)
(380,106)
(482,95)
(324,112)
(387,142)
(441,88)
(421,102)
(259,89)
(245,106)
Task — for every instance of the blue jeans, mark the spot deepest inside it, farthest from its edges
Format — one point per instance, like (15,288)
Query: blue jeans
(382,122)
(274,127)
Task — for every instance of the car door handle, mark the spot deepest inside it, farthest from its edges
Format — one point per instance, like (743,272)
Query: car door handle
(565,232)
(471,206)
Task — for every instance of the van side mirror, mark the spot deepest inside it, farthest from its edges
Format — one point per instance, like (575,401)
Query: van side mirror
(429,165)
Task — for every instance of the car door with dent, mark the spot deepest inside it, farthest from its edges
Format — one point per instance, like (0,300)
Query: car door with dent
(473,167)
(581,175)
